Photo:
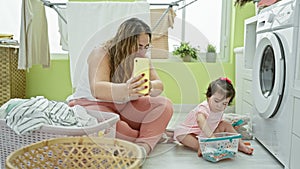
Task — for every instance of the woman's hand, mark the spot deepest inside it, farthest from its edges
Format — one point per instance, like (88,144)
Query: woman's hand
(135,86)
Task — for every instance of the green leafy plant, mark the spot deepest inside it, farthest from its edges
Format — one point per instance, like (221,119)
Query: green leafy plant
(211,48)
(186,49)
(211,54)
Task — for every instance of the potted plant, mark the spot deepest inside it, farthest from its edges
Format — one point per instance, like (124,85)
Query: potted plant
(186,51)
(211,54)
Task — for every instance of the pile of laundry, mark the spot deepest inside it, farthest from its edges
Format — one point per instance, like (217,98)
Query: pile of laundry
(241,123)
(27,115)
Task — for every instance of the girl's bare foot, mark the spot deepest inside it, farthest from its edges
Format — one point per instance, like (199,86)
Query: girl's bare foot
(245,149)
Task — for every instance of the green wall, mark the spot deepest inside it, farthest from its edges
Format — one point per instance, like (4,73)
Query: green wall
(239,15)
(54,83)
(185,83)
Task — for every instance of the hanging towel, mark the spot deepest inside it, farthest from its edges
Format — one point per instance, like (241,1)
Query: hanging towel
(34,43)
(166,22)
(160,23)
(92,23)
(63,29)
(27,115)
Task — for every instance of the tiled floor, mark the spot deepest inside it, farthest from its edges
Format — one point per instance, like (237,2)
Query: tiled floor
(175,156)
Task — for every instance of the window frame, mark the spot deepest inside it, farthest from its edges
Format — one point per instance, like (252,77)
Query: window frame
(224,54)
(225,34)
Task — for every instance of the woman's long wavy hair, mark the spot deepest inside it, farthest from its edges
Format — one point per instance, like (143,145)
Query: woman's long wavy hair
(122,48)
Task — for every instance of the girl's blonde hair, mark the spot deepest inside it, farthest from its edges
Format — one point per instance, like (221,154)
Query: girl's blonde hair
(122,46)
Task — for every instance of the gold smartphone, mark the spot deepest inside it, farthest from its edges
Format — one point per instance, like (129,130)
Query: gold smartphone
(142,65)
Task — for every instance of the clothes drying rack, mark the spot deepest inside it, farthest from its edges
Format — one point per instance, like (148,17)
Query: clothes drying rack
(55,6)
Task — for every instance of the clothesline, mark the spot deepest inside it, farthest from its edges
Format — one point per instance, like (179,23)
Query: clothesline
(170,6)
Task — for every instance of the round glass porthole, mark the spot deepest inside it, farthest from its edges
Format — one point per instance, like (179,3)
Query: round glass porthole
(267,71)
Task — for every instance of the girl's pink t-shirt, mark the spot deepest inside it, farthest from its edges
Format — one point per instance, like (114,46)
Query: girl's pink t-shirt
(190,125)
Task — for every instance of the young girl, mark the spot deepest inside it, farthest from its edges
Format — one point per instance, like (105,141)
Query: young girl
(206,118)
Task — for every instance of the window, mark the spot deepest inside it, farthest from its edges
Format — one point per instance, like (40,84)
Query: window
(11,17)
(12,22)
(53,28)
(205,22)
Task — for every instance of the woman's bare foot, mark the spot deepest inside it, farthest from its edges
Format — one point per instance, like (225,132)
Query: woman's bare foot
(245,149)
(199,153)
(167,137)
(146,147)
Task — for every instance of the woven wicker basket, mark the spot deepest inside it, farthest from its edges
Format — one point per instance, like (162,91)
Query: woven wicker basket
(12,80)
(77,152)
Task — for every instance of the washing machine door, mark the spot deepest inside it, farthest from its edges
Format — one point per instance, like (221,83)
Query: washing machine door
(268,75)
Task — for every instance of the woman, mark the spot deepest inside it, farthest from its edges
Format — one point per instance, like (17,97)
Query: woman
(111,87)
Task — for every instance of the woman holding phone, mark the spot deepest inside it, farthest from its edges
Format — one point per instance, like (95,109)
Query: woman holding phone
(110,86)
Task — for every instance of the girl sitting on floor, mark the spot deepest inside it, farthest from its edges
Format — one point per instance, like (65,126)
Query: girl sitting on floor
(206,118)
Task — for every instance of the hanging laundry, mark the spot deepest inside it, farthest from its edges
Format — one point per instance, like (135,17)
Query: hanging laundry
(34,43)
(160,23)
(89,25)
(63,28)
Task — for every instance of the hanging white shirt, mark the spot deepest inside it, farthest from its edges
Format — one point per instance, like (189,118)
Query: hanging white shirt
(34,43)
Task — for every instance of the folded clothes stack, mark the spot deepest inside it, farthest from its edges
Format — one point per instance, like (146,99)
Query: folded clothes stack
(9,42)
(241,123)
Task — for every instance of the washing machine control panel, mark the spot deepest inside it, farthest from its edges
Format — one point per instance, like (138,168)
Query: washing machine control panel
(265,21)
(277,17)
(285,15)
(271,18)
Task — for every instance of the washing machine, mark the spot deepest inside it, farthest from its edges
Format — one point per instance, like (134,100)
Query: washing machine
(273,77)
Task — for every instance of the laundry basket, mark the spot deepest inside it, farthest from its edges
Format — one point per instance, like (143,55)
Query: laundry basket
(77,152)
(12,79)
(10,141)
(224,145)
